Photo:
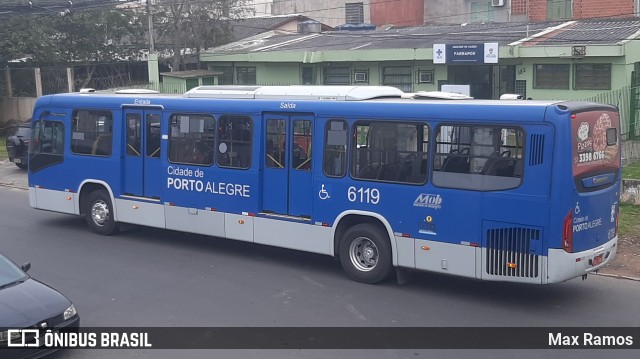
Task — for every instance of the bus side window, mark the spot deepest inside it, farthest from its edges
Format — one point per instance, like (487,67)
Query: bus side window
(390,151)
(483,158)
(191,139)
(334,163)
(92,132)
(235,142)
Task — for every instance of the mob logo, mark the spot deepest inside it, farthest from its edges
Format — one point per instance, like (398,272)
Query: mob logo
(428,200)
(22,337)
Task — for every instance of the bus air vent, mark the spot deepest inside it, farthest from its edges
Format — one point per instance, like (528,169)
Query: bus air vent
(510,252)
(536,153)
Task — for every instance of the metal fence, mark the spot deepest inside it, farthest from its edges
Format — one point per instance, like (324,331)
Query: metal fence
(627,104)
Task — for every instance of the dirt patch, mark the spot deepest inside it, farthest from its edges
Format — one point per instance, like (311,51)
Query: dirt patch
(627,260)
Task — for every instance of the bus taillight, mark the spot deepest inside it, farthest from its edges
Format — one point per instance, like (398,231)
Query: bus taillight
(567,232)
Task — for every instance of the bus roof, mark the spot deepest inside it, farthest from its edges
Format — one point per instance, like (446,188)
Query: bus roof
(382,101)
(335,93)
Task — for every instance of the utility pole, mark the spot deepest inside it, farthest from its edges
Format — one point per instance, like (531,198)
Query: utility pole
(150,15)
(152,63)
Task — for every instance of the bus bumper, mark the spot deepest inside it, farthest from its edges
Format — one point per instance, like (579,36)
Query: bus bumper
(563,266)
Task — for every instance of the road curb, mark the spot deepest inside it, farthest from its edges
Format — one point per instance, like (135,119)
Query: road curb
(12,185)
(618,276)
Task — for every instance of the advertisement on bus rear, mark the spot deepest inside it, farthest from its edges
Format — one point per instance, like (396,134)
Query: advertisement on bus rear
(595,142)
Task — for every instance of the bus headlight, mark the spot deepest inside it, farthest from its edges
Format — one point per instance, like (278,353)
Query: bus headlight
(70,312)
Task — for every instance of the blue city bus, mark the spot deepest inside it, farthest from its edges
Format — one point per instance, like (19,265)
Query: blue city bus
(519,191)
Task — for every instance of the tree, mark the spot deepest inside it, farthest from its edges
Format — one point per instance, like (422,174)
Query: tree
(195,24)
(87,37)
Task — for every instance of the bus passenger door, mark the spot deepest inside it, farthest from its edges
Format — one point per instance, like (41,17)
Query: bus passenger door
(287,165)
(142,153)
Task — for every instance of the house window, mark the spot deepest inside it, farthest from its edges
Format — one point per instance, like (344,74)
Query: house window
(425,77)
(191,83)
(354,13)
(559,9)
(397,76)
(551,77)
(208,81)
(227,75)
(245,75)
(307,75)
(521,88)
(361,76)
(337,75)
(481,11)
(592,77)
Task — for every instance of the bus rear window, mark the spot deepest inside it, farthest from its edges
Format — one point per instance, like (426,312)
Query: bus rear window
(595,142)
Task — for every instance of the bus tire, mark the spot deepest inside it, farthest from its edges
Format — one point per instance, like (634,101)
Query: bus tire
(365,254)
(99,213)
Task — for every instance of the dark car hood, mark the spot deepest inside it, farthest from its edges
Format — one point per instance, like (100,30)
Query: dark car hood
(28,303)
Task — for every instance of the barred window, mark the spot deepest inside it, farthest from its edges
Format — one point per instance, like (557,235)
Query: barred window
(92,132)
(227,74)
(246,75)
(354,13)
(559,9)
(397,76)
(592,77)
(551,76)
(339,75)
(521,88)
(191,139)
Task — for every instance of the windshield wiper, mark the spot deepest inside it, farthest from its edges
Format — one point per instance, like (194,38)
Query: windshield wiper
(21,280)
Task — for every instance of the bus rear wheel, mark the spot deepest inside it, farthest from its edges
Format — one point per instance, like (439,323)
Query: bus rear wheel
(99,213)
(365,254)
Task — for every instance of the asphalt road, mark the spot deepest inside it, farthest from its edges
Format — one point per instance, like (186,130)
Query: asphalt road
(148,277)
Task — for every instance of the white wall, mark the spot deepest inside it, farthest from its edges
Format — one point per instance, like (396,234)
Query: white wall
(16,108)
(261,7)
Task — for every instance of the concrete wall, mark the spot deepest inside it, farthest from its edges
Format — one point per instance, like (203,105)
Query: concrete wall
(260,7)
(16,108)
(630,191)
(445,11)
(465,11)
(630,187)
(329,12)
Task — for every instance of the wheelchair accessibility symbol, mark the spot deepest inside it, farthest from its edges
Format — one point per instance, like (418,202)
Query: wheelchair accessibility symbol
(323,194)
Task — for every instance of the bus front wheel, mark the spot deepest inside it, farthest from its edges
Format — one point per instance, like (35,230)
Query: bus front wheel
(365,253)
(99,213)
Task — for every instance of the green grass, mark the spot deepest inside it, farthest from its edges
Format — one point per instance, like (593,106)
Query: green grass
(629,219)
(631,171)
(3,148)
